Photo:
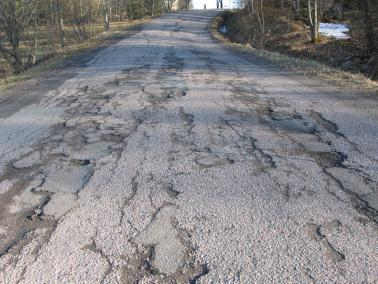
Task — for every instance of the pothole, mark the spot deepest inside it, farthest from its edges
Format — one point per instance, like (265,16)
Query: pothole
(212,160)
(328,159)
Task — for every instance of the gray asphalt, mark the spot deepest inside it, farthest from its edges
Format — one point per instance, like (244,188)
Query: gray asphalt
(169,158)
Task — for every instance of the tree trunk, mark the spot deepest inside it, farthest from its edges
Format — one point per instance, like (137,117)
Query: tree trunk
(59,16)
(369,27)
(313,17)
(106,23)
(62,33)
(316,22)
(18,63)
(32,59)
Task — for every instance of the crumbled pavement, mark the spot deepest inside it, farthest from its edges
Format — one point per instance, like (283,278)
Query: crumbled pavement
(169,158)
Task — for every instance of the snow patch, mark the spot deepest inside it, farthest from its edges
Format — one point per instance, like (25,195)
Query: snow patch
(338,31)
(223,29)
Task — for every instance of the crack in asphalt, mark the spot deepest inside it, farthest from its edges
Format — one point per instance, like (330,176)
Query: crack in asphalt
(264,158)
(325,159)
(329,250)
(176,161)
(134,191)
(96,249)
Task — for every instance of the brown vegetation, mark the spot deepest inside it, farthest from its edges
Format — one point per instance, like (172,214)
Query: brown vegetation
(287,29)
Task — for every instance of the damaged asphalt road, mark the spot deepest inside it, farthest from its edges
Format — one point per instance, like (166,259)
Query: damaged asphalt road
(169,158)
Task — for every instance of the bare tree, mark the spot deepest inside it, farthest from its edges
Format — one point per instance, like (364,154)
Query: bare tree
(15,17)
(313,18)
(59,12)
(22,22)
(256,14)
(105,11)
(168,5)
(183,4)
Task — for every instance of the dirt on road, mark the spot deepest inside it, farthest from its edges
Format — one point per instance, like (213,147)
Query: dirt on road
(168,158)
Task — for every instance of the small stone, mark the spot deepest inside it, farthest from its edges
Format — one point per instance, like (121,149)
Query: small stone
(38,212)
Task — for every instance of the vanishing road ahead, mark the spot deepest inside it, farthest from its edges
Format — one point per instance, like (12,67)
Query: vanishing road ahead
(168,157)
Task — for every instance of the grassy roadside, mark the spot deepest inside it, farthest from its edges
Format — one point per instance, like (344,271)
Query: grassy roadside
(301,66)
(103,39)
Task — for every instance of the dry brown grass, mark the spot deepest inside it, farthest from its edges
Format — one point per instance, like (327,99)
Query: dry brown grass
(301,65)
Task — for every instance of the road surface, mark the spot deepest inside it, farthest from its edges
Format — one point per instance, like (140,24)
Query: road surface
(168,157)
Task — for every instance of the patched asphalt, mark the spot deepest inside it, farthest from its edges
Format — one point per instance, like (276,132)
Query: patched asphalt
(169,158)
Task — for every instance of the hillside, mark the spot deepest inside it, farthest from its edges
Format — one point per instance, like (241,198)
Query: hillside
(287,31)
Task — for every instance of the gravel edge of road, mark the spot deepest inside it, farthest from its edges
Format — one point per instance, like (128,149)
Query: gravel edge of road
(310,68)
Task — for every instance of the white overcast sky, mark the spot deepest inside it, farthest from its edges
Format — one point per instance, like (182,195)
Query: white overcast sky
(212,4)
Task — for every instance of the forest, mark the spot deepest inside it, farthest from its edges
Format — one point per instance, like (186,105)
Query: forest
(34,30)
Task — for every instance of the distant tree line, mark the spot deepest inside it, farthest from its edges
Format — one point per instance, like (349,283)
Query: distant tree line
(23,21)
